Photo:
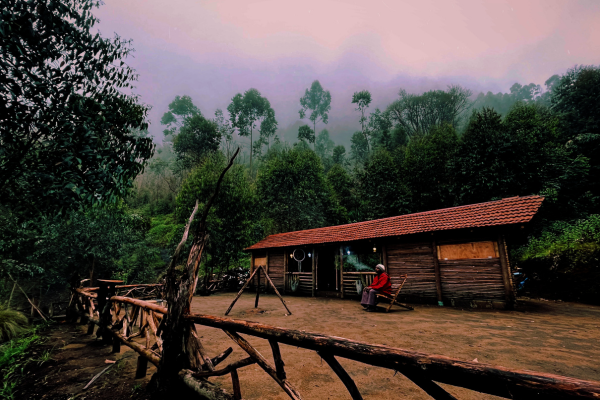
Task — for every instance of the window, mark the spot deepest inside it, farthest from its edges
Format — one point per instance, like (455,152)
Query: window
(468,250)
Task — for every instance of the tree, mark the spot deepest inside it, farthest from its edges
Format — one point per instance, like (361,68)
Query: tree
(426,169)
(247,110)
(180,109)
(359,148)
(344,192)
(339,155)
(318,101)
(226,131)
(362,100)
(231,220)
(66,128)
(196,138)
(381,130)
(305,133)
(324,149)
(381,191)
(293,191)
(420,113)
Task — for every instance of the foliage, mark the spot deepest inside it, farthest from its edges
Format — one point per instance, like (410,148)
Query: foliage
(359,148)
(382,192)
(197,137)
(12,324)
(324,148)
(247,110)
(362,100)
(65,127)
(344,192)
(339,155)
(563,261)
(180,109)
(306,133)
(232,218)
(318,101)
(426,168)
(16,356)
(293,191)
(420,113)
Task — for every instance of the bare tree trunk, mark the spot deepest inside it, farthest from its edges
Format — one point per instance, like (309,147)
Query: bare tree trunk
(181,347)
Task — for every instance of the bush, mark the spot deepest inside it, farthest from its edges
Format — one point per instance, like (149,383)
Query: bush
(12,324)
(564,261)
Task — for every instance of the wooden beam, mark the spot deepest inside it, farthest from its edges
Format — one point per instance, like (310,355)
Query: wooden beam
(285,270)
(342,374)
(279,364)
(314,272)
(485,378)
(268,279)
(241,291)
(257,286)
(264,364)
(205,389)
(235,382)
(342,270)
(224,371)
(316,262)
(384,257)
(140,303)
(508,289)
(438,274)
(428,386)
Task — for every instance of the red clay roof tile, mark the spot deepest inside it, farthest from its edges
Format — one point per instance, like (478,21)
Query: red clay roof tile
(513,210)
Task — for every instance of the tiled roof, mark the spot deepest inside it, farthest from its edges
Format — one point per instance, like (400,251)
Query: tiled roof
(514,210)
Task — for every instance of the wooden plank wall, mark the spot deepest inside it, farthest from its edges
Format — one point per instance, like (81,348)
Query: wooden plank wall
(350,279)
(416,260)
(476,279)
(276,260)
(305,287)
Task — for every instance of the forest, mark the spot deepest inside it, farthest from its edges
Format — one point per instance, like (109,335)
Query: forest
(86,193)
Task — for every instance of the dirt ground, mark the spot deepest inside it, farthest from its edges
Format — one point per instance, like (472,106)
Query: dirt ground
(543,336)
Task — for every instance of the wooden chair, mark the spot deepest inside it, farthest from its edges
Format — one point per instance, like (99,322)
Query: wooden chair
(395,292)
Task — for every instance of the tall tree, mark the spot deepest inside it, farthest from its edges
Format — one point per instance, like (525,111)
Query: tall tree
(339,155)
(294,192)
(65,126)
(318,101)
(306,133)
(362,100)
(247,110)
(180,109)
(420,113)
(196,138)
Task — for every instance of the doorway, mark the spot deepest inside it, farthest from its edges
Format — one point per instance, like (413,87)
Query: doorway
(326,270)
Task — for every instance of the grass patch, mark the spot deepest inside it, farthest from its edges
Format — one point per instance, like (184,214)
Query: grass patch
(12,324)
(16,355)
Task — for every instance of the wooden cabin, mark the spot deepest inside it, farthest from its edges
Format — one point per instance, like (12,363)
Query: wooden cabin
(452,256)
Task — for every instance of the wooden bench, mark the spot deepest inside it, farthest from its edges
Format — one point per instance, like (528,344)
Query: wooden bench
(395,292)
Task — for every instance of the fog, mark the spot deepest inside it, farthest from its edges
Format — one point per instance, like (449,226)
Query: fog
(213,50)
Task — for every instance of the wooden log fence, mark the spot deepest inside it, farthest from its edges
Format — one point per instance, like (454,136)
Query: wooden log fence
(132,318)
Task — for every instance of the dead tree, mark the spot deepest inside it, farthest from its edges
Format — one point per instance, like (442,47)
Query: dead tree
(182,348)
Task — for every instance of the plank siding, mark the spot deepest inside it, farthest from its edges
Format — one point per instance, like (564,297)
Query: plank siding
(472,279)
(415,260)
(276,261)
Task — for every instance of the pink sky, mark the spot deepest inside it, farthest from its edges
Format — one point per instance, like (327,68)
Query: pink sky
(284,45)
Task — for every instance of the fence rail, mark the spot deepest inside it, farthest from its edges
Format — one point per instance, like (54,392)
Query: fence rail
(125,318)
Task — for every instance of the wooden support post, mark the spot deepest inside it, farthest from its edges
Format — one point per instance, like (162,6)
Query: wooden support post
(279,364)
(342,270)
(235,381)
(428,386)
(264,364)
(314,272)
(285,271)
(142,366)
(257,286)
(438,274)
(316,257)
(241,291)
(384,257)
(508,289)
(116,343)
(342,374)
(277,292)
(252,262)
(267,262)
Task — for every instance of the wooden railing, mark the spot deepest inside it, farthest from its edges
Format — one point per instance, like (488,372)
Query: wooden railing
(128,318)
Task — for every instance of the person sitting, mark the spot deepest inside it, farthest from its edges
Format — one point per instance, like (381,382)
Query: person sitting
(381,284)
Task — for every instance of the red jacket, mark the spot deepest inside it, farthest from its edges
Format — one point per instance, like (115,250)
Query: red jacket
(382,283)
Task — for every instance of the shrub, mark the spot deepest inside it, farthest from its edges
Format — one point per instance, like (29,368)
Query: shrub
(12,324)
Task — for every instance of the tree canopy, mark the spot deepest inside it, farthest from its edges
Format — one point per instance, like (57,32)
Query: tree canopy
(66,125)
